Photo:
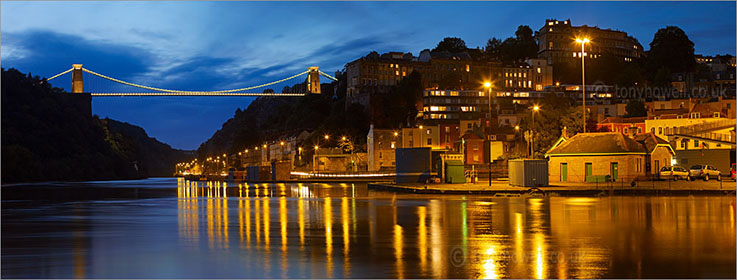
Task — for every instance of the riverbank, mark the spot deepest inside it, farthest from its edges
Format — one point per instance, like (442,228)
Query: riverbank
(502,188)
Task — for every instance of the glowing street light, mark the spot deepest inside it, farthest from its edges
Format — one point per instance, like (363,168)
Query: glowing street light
(532,131)
(327,137)
(342,138)
(583,42)
(488,85)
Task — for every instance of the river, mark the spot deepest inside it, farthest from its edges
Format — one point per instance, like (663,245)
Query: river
(349,231)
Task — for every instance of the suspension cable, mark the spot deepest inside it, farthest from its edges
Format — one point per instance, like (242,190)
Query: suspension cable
(326,75)
(187,91)
(62,73)
(203,93)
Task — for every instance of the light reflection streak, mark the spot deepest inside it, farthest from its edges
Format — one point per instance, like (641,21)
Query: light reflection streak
(398,250)
(422,237)
(301,213)
(283,224)
(491,269)
(346,236)
(436,231)
(328,209)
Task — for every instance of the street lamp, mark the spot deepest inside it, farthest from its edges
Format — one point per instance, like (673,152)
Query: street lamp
(487,85)
(532,131)
(583,78)
(314,157)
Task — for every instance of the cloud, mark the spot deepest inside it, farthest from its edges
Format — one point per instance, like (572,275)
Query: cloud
(47,53)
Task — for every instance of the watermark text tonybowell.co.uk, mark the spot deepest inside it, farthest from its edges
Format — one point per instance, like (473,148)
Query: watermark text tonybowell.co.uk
(458,257)
(671,93)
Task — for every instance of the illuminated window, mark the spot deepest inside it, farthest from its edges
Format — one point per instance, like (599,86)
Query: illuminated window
(550,23)
(396,73)
(539,70)
(468,68)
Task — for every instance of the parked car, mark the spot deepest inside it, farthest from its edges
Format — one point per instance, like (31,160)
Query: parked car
(732,171)
(674,172)
(704,171)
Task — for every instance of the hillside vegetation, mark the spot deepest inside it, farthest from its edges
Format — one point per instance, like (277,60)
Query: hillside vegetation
(50,135)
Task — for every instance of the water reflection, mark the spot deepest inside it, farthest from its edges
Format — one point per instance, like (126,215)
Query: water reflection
(345,230)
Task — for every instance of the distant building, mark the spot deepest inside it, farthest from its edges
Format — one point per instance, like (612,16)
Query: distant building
(532,75)
(627,126)
(422,137)
(454,105)
(381,145)
(374,73)
(472,147)
(703,134)
(556,42)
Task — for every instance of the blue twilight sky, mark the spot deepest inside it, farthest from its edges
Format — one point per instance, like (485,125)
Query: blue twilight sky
(222,45)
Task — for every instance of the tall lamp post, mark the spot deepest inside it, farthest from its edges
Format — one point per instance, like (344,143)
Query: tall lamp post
(488,120)
(532,131)
(583,78)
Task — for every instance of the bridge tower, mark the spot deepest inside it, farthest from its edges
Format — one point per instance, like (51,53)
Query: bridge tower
(313,80)
(77,84)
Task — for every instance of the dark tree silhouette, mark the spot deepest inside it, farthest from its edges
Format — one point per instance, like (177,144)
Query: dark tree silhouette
(671,49)
(451,44)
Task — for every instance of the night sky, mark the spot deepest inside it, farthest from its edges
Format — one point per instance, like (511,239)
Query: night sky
(223,45)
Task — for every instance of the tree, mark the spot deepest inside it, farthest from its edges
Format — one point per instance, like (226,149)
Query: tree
(451,44)
(662,77)
(525,42)
(671,49)
(520,47)
(635,108)
(493,48)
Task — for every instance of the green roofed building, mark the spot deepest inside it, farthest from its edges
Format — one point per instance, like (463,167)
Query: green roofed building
(590,157)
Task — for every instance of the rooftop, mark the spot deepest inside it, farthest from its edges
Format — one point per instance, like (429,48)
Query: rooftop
(598,143)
